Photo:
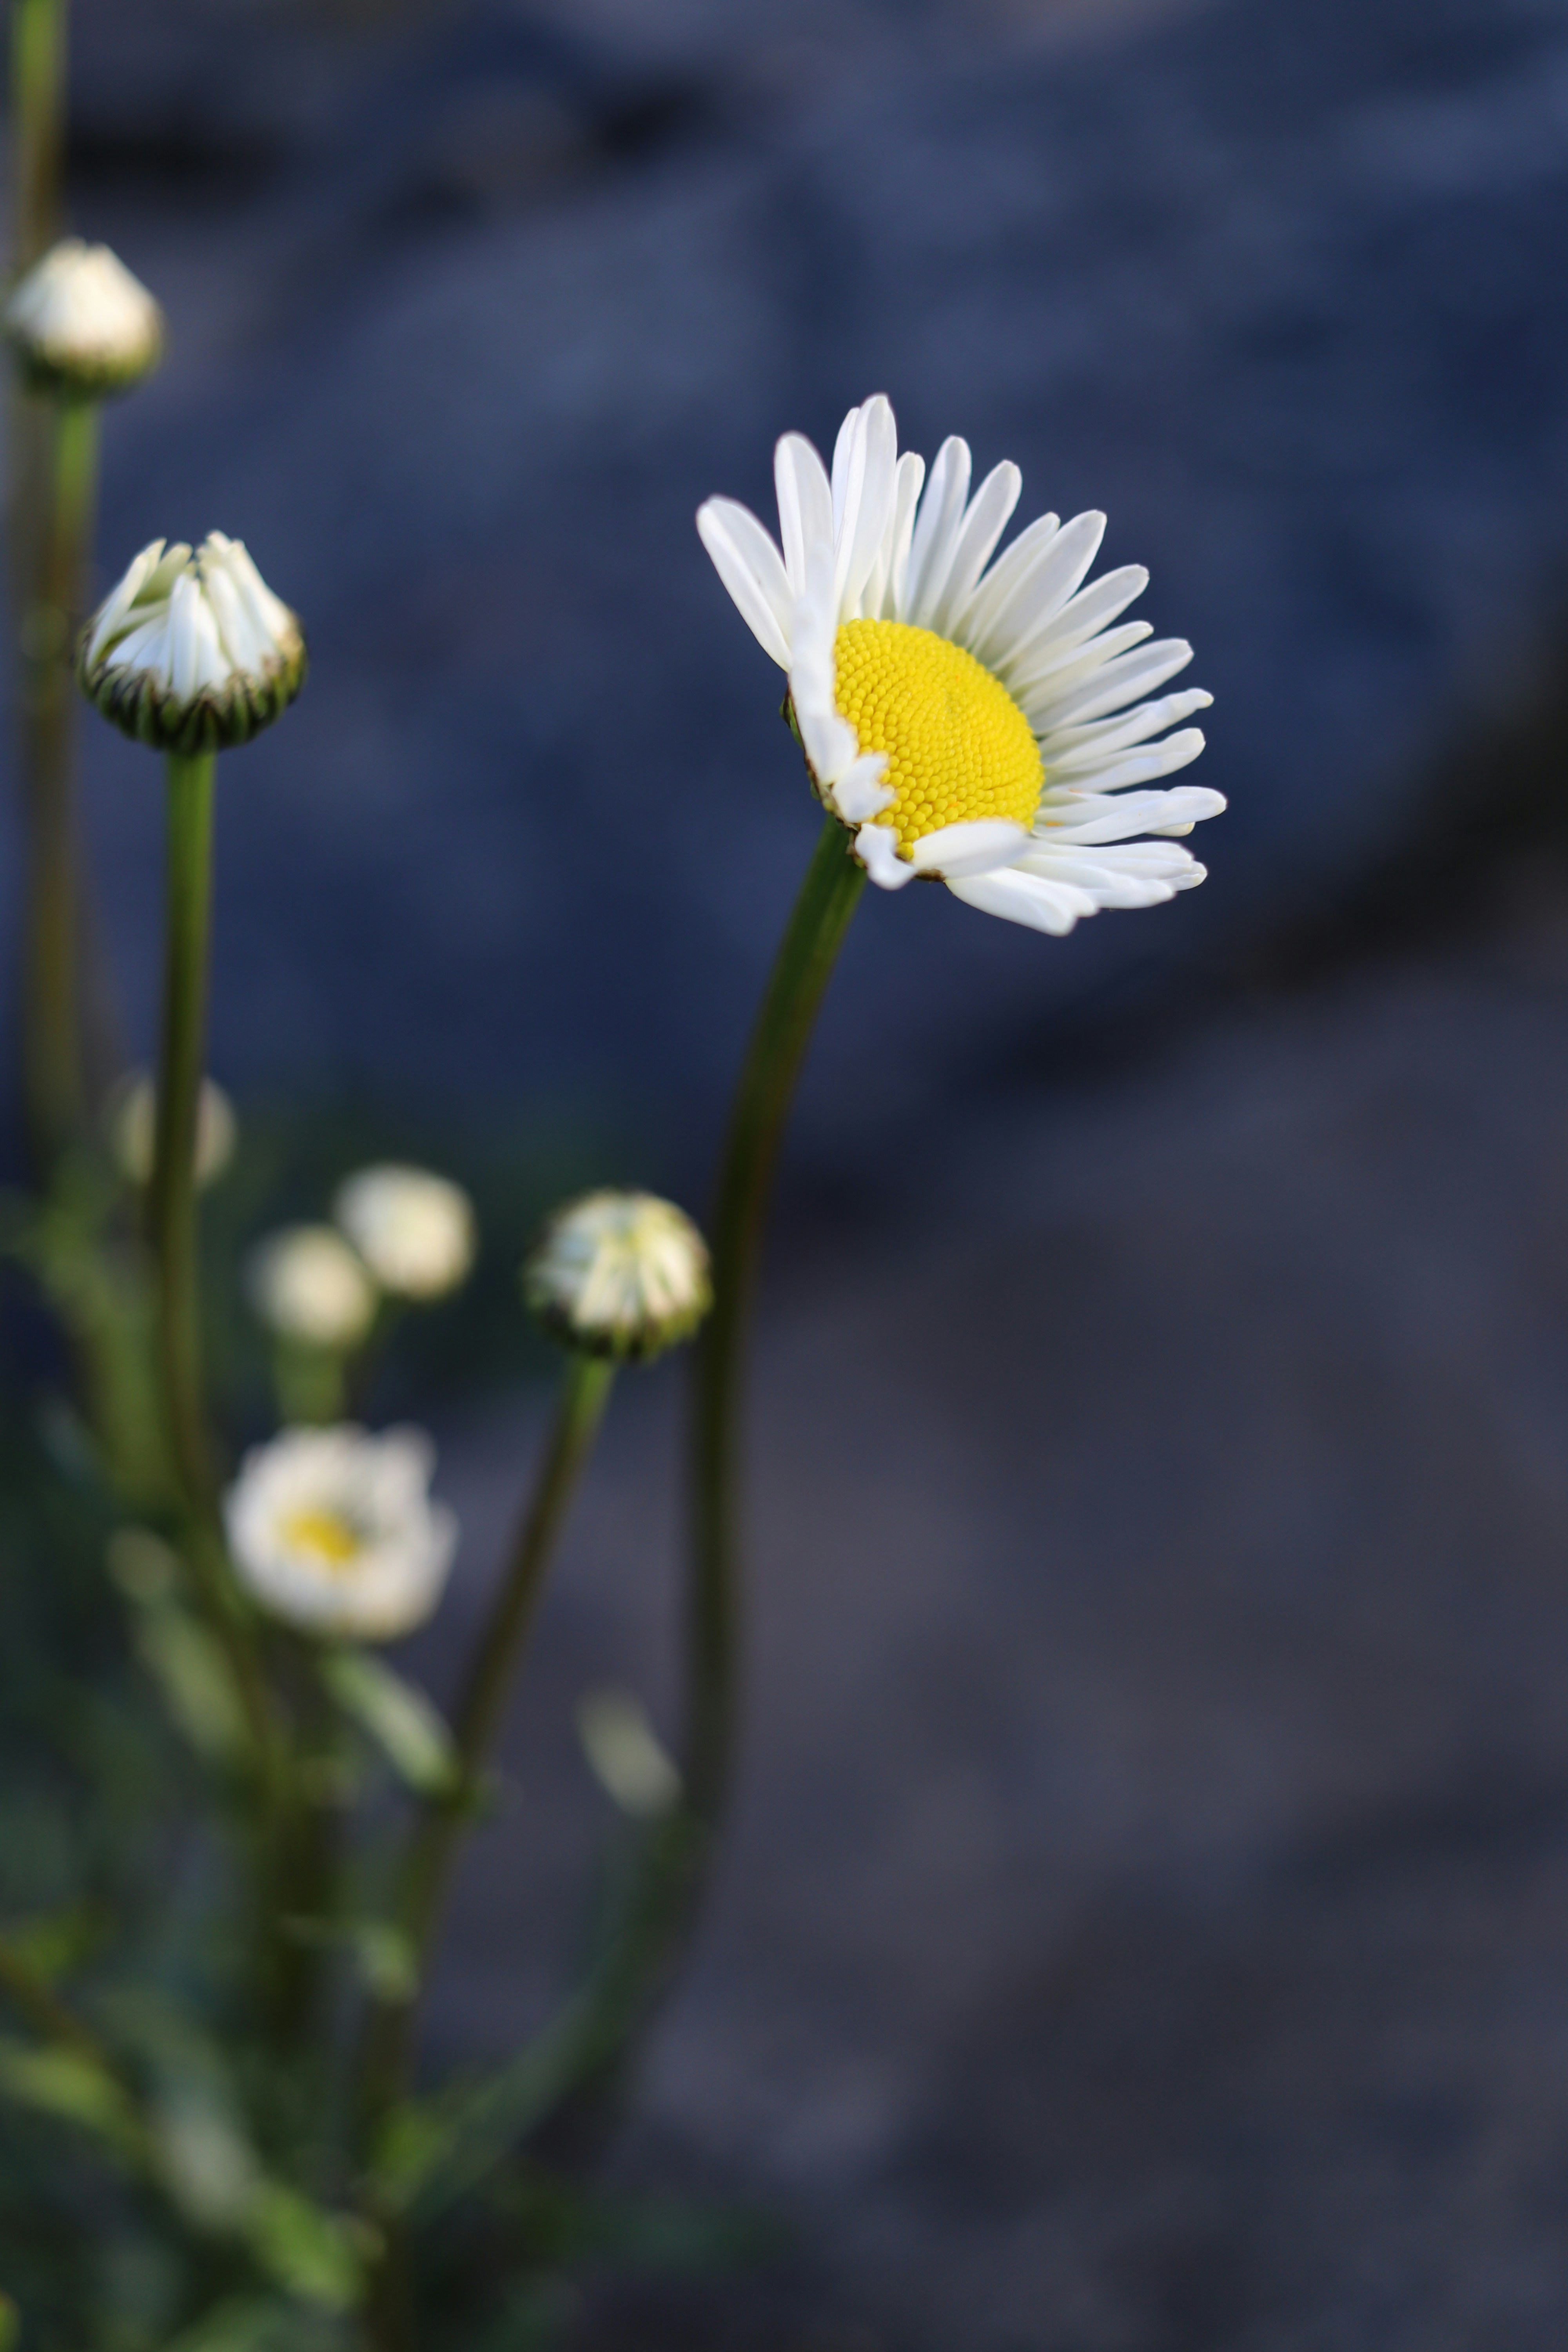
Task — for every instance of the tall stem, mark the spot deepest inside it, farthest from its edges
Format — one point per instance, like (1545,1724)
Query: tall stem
(171,1196)
(580,1407)
(588,2045)
(51,605)
(807,952)
(38,29)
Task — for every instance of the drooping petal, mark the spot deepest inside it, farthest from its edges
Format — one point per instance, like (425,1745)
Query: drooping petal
(1017,897)
(976,848)
(734,539)
(877,848)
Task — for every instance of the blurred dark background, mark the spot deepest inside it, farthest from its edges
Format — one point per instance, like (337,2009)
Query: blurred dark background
(1146,1924)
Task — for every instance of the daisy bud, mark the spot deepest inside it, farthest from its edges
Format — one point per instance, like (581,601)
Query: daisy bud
(192,652)
(619,1273)
(80,324)
(414,1231)
(334,1531)
(132,1129)
(307,1285)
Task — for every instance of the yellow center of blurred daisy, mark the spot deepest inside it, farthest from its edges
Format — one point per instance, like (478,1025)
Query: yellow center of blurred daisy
(335,1540)
(959,748)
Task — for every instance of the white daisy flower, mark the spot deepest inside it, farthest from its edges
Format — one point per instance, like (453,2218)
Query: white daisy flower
(307,1284)
(82,324)
(619,1273)
(132,1117)
(334,1531)
(192,652)
(973,722)
(414,1231)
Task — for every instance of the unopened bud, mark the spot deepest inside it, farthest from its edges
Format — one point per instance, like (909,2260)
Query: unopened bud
(307,1284)
(82,324)
(192,652)
(619,1273)
(414,1231)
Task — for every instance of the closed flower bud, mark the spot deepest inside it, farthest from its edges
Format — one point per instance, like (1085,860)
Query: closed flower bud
(414,1231)
(132,1129)
(82,324)
(307,1285)
(192,652)
(619,1273)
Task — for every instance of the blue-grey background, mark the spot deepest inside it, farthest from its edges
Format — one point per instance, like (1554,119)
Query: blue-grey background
(1146,1926)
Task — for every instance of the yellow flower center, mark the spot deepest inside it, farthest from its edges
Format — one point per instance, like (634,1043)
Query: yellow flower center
(335,1542)
(959,748)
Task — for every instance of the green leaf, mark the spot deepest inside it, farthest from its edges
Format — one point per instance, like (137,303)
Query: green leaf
(317,2255)
(626,1754)
(204,2161)
(72,2087)
(401,1720)
(193,1675)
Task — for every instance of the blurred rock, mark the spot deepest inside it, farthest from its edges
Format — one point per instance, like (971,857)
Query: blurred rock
(514,289)
(1146,1919)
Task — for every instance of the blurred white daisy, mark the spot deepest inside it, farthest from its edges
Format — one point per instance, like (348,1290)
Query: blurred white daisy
(132,1117)
(81,323)
(974,721)
(334,1531)
(192,652)
(619,1273)
(414,1230)
(306,1285)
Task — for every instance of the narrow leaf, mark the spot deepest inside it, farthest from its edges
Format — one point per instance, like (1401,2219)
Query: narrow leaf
(401,1720)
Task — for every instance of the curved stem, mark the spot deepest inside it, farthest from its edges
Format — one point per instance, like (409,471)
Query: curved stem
(603,2021)
(802,969)
(584,1392)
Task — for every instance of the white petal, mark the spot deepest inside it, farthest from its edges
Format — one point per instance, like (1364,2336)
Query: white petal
(906,500)
(1041,594)
(119,603)
(1082,615)
(1041,685)
(940,513)
(1115,816)
(868,509)
(1110,687)
(735,552)
(1071,748)
(1013,566)
(1053,907)
(859,791)
(877,848)
(805,504)
(988,519)
(1178,751)
(1118,877)
(831,744)
(978,847)
(843,449)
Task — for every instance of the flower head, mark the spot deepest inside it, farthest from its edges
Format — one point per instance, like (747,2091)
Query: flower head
(192,652)
(132,1120)
(334,1531)
(307,1284)
(414,1230)
(971,721)
(80,323)
(619,1273)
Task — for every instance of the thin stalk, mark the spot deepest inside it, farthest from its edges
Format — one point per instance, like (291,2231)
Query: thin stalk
(52,599)
(603,2021)
(172,1219)
(580,1407)
(39,35)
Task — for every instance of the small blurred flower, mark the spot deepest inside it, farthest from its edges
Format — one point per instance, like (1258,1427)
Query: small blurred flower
(192,652)
(132,1118)
(414,1231)
(968,724)
(307,1284)
(81,323)
(334,1531)
(619,1273)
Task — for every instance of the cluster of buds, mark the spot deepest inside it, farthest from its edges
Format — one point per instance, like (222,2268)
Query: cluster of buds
(400,1233)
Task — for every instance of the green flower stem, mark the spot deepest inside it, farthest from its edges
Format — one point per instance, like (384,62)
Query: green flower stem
(51,599)
(38,31)
(802,969)
(172,1219)
(590,2044)
(580,1407)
